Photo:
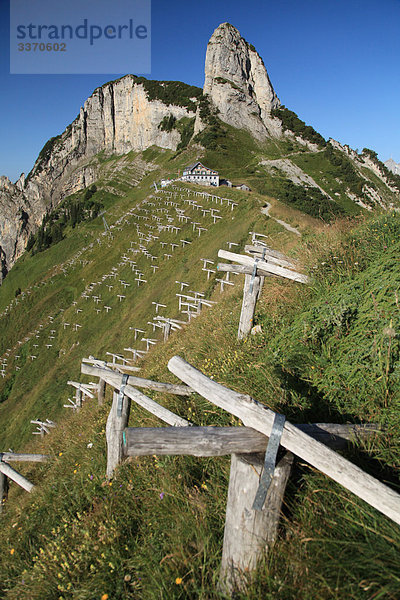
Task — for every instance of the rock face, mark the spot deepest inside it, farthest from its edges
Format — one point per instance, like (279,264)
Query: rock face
(238,84)
(119,117)
(126,115)
(133,114)
(15,214)
(392,166)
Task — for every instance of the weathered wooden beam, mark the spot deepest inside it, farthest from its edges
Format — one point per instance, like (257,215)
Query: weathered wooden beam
(116,424)
(144,401)
(225,268)
(16,457)
(80,387)
(265,266)
(111,365)
(78,398)
(258,252)
(336,435)
(251,291)
(169,388)
(194,441)
(249,533)
(219,441)
(256,415)
(254,249)
(15,476)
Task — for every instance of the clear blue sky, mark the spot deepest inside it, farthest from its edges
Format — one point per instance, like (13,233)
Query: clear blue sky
(334,62)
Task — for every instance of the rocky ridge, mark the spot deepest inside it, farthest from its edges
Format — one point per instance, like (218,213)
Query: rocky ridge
(392,166)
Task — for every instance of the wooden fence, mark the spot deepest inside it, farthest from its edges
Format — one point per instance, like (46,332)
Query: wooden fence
(262,262)
(257,481)
(7,472)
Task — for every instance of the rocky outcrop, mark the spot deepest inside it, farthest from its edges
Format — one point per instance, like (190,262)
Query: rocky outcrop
(16,218)
(238,84)
(119,117)
(128,114)
(392,166)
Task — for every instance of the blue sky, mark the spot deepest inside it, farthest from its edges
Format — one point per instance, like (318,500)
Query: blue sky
(334,62)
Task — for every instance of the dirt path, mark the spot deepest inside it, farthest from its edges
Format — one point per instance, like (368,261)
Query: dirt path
(265,211)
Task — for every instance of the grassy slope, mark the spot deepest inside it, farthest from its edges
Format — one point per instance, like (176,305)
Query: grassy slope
(327,352)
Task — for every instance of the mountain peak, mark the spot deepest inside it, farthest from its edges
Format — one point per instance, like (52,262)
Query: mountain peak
(237,82)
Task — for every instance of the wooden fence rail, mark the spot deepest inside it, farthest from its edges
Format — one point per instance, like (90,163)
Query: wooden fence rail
(256,415)
(270,267)
(250,529)
(220,441)
(7,472)
(263,262)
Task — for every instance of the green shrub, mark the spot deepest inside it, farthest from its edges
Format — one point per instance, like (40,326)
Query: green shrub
(71,212)
(391,177)
(290,121)
(311,201)
(346,171)
(168,123)
(185,127)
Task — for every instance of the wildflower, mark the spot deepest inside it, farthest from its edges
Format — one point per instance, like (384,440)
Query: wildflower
(90,445)
(161,495)
(104,597)
(12,551)
(60,454)
(204,486)
(178,580)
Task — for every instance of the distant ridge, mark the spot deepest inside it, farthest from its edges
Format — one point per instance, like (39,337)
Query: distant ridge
(392,166)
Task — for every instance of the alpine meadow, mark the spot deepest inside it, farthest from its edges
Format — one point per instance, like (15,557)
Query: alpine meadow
(174,352)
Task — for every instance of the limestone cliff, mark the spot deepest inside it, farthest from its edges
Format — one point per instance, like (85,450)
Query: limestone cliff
(15,212)
(393,166)
(119,117)
(237,82)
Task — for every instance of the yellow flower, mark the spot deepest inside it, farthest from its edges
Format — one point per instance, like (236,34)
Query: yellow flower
(60,454)
(178,580)
(104,597)
(12,551)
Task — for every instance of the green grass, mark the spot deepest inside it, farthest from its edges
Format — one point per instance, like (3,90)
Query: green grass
(327,352)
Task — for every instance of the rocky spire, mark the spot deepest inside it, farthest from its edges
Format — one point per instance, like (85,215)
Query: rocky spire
(238,84)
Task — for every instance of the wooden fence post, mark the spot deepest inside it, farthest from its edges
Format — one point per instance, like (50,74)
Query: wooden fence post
(101,392)
(3,490)
(114,429)
(249,533)
(251,292)
(78,398)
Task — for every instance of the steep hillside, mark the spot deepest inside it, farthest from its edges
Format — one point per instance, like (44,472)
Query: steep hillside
(326,352)
(108,253)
